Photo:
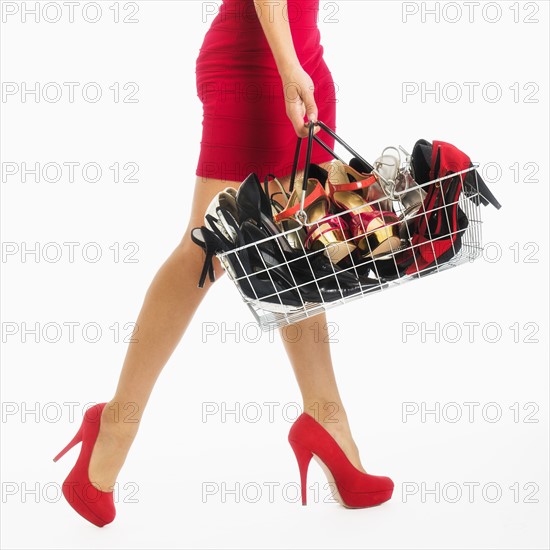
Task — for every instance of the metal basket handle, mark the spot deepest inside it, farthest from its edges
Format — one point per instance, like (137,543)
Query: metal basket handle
(301,216)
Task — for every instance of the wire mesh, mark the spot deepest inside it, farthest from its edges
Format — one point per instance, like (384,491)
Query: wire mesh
(284,279)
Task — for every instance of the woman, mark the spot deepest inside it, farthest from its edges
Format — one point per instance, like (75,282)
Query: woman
(261,63)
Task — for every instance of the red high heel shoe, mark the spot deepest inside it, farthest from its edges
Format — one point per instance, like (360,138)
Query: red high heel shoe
(92,504)
(354,489)
(374,231)
(323,230)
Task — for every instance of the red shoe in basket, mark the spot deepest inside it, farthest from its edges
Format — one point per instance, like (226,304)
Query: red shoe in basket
(440,221)
(375,232)
(438,237)
(323,230)
(354,489)
(435,232)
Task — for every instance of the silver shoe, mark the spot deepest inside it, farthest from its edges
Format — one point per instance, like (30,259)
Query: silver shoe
(227,200)
(399,185)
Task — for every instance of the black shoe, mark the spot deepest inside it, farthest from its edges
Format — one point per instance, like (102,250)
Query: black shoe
(253,205)
(253,282)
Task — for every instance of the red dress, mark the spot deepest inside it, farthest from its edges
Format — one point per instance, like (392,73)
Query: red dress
(245,126)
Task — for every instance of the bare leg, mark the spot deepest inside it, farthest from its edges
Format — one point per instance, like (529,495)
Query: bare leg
(312,364)
(168,307)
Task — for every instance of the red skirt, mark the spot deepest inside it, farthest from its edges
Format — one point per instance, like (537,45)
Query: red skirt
(245,127)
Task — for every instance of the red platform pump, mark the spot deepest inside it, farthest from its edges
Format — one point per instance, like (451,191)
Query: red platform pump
(90,502)
(353,488)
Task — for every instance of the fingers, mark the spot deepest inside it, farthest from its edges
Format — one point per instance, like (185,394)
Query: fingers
(301,127)
(310,106)
(295,113)
(311,109)
(316,130)
(301,103)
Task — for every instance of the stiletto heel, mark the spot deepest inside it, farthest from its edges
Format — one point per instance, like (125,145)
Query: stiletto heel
(76,439)
(303,456)
(354,489)
(86,499)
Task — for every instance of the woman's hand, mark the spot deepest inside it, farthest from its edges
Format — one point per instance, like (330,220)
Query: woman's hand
(297,84)
(298,91)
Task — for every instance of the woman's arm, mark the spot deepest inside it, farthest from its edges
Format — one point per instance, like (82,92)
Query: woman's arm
(297,84)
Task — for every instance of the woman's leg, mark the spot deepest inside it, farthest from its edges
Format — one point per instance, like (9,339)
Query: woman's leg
(308,348)
(312,363)
(168,307)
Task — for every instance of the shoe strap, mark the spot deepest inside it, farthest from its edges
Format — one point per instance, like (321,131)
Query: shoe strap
(362,220)
(274,178)
(210,249)
(325,226)
(316,194)
(352,185)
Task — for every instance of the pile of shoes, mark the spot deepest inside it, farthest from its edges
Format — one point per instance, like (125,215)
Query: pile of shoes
(239,226)
(390,211)
(427,190)
(345,231)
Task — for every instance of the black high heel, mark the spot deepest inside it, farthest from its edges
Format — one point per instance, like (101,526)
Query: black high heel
(271,295)
(267,274)
(253,204)
(312,275)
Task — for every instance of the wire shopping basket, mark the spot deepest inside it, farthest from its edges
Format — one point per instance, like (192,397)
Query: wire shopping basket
(405,232)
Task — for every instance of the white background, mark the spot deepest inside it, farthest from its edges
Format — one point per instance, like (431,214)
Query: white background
(371,52)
